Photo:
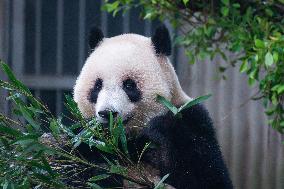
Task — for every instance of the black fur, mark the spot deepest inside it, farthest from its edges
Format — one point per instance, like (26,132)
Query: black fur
(93,96)
(162,41)
(131,89)
(187,149)
(96,36)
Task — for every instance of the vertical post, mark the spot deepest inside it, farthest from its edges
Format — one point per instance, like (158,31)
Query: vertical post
(18,23)
(81,33)
(60,14)
(38,36)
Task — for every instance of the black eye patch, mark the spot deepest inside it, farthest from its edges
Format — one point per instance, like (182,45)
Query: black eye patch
(95,91)
(131,89)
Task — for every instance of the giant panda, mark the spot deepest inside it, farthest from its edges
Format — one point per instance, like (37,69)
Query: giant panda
(123,75)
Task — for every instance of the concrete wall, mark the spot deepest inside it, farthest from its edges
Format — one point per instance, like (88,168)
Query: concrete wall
(252,150)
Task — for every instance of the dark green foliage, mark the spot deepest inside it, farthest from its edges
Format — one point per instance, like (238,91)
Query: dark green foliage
(29,159)
(252,30)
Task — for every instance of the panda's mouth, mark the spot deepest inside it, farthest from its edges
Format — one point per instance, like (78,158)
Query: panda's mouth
(105,123)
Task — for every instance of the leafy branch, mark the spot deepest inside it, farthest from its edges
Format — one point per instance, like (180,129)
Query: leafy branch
(252,30)
(40,151)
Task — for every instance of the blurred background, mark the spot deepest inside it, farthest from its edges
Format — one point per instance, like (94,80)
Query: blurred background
(45,43)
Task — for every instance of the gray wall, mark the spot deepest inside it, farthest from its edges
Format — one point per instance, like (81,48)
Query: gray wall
(252,150)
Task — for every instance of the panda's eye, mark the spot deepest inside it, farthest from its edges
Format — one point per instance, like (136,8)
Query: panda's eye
(130,88)
(129,84)
(98,84)
(95,91)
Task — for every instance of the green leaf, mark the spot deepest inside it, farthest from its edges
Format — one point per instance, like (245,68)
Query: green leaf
(236,5)
(167,103)
(259,44)
(160,183)
(274,99)
(110,7)
(94,185)
(29,118)
(148,15)
(268,59)
(13,79)
(111,122)
(26,139)
(10,131)
(275,57)
(185,1)
(103,147)
(99,177)
(194,102)
(118,169)
(280,89)
(225,11)
(244,66)
(190,56)
(251,81)
(55,130)
(143,151)
(225,2)
(72,106)
(122,137)
(6,184)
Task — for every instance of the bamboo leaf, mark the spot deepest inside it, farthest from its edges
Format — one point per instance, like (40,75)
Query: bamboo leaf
(160,183)
(55,130)
(13,79)
(94,185)
(194,102)
(122,137)
(99,177)
(118,169)
(10,131)
(167,103)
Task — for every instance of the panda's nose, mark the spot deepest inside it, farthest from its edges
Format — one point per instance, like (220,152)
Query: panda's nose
(105,114)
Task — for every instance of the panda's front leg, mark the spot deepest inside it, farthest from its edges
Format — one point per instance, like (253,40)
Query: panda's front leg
(187,149)
(156,158)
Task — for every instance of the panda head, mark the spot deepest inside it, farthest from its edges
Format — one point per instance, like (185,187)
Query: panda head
(124,74)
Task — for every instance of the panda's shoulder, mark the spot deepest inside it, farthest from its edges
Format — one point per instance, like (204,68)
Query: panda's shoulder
(197,118)
(192,121)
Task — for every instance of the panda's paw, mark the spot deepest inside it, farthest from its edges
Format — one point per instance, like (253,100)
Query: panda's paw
(151,135)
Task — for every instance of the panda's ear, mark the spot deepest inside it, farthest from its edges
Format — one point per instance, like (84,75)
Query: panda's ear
(162,41)
(96,36)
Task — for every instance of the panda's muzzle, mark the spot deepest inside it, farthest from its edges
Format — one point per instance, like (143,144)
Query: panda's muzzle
(105,114)
(105,117)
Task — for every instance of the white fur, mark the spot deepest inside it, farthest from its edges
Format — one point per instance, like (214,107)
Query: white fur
(114,60)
